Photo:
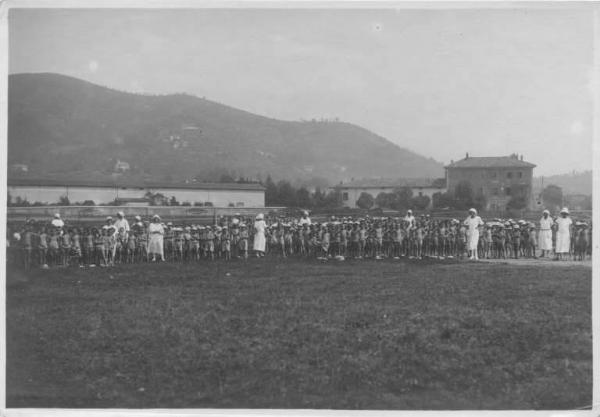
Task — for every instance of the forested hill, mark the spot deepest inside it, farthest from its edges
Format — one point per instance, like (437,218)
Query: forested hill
(62,126)
(572,183)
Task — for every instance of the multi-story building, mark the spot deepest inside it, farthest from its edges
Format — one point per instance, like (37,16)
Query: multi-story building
(497,178)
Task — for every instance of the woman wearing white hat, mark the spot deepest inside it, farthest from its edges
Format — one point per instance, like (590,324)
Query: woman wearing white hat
(121,222)
(563,234)
(259,235)
(410,219)
(156,232)
(304,219)
(58,222)
(473,222)
(545,235)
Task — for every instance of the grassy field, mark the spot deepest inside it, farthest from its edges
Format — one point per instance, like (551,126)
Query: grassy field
(298,334)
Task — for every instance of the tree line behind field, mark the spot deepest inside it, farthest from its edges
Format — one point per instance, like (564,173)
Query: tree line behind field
(283,194)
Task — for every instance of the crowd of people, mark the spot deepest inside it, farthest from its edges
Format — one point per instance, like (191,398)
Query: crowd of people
(59,243)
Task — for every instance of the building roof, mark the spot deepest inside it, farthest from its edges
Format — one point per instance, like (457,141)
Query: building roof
(390,183)
(491,162)
(72,182)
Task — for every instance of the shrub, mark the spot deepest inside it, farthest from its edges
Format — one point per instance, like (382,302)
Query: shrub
(365,201)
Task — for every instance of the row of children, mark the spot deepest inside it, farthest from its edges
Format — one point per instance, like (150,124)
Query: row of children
(423,237)
(42,244)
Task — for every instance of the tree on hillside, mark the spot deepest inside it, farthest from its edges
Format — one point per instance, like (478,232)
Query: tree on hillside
(552,196)
(365,201)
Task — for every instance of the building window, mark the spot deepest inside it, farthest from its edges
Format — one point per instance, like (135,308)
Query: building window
(420,194)
(520,174)
(345,196)
(495,190)
(507,190)
(509,175)
(493,174)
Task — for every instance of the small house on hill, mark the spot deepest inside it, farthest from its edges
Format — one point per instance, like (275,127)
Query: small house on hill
(121,166)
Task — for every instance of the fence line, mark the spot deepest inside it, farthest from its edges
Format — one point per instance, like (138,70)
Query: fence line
(93,213)
(85,213)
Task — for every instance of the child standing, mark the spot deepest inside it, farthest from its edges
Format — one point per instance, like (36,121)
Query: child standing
(226,243)
(76,246)
(210,243)
(99,249)
(244,241)
(43,248)
(26,246)
(65,246)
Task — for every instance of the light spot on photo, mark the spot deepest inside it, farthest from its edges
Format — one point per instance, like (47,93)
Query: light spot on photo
(576,128)
(93,66)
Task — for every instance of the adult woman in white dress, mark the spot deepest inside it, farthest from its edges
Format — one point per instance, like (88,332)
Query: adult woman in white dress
(155,239)
(473,222)
(545,235)
(563,234)
(304,219)
(259,235)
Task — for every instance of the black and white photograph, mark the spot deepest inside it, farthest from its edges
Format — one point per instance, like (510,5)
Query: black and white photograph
(299,206)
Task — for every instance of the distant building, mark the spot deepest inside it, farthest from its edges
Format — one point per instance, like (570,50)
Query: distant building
(121,166)
(19,168)
(497,178)
(105,192)
(133,202)
(352,190)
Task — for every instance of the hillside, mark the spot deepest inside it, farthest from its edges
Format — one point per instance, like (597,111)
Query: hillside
(60,126)
(572,183)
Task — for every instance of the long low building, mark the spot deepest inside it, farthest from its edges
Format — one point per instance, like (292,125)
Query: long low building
(49,191)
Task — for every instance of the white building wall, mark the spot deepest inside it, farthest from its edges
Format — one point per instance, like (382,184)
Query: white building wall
(52,194)
(219,198)
(99,195)
(104,195)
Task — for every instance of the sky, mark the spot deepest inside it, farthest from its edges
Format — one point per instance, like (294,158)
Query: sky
(440,82)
